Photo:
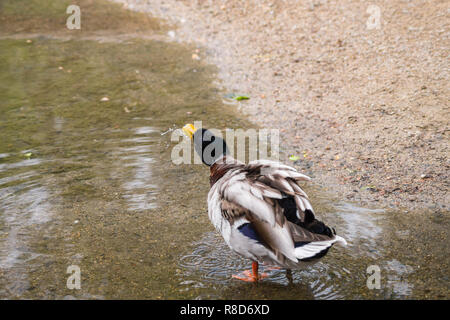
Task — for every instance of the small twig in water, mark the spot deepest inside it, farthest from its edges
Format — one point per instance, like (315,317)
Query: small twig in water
(170,129)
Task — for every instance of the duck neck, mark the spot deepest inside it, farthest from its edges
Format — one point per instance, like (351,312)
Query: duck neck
(221,167)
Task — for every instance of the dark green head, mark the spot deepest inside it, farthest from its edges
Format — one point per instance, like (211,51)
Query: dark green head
(209,147)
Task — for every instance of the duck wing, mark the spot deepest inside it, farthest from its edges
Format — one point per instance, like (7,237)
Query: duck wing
(266,196)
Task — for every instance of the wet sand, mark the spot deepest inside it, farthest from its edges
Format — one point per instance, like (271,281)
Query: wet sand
(365,109)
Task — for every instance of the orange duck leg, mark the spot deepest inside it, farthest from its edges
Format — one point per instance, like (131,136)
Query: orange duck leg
(251,275)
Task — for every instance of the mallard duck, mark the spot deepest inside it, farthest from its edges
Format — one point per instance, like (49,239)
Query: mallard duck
(260,209)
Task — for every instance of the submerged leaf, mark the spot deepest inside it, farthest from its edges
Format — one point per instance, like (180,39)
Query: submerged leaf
(235,96)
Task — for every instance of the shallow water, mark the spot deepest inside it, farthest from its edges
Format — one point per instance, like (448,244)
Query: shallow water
(91,183)
(411,255)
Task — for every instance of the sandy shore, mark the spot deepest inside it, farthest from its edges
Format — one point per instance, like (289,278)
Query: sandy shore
(365,106)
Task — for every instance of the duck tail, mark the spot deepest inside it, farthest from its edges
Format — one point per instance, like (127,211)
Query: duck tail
(306,251)
(340,240)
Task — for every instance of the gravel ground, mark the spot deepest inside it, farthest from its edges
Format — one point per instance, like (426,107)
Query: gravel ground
(365,105)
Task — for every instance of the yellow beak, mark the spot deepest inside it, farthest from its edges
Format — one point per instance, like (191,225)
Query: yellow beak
(189,130)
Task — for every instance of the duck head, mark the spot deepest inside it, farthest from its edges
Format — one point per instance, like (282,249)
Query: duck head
(209,147)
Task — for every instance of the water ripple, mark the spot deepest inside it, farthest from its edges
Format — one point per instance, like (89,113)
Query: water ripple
(211,264)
